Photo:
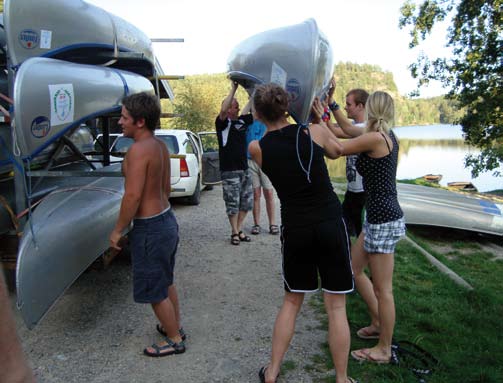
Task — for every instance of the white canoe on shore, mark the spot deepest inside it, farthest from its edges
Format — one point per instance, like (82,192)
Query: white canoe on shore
(297,57)
(429,206)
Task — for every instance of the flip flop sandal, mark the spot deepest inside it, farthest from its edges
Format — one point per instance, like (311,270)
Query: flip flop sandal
(363,355)
(363,333)
(255,229)
(161,331)
(176,348)
(261,375)
(273,229)
(235,240)
(243,238)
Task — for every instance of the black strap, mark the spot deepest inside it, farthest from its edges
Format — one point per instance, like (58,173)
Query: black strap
(385,140)
(414,357)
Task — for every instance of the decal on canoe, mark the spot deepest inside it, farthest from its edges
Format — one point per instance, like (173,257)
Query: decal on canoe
(293,89)
(62,103)
(40,127)
(278,75)
(28,38)
(45,39)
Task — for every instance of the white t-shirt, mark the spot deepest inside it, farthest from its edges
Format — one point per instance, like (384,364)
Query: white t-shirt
(355,180)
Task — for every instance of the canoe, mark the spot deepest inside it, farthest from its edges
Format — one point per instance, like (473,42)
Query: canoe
(73,30)
(432,177)
(463,186)
(52,97)
(297,57)
(78,221)
(430,206)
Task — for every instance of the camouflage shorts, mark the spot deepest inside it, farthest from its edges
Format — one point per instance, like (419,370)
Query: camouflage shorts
(237,190)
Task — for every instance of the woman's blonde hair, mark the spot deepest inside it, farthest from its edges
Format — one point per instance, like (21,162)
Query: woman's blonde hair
(380,112)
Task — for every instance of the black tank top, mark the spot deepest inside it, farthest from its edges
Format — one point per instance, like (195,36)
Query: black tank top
(379,182)
(302,202)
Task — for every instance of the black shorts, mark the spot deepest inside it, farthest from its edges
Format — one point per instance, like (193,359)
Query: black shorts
(321,249)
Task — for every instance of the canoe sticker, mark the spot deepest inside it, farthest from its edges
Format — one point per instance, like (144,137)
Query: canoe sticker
(28,38)
(62,104)
(293,89)
(40,127)
(45,39)
(278,75)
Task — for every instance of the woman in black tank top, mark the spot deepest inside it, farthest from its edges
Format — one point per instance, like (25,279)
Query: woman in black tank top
(314,238)
(384,224)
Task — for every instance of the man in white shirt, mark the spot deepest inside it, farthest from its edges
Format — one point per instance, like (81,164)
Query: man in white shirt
(354,199)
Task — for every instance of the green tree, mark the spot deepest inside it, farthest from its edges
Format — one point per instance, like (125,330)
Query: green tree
(474,73)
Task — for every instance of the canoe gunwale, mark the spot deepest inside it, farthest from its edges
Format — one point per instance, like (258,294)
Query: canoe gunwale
(73,125)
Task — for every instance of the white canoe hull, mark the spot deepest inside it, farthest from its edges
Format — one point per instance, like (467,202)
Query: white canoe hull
(297,57)
(52,97)
(65,234)
(430,206)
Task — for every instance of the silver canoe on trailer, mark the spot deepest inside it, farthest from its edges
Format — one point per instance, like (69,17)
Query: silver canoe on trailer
(73,30)
(431,206)
(297,57)
(65,234)
(52,97)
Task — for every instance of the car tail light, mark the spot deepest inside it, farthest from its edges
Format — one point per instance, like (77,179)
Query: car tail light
(184,169)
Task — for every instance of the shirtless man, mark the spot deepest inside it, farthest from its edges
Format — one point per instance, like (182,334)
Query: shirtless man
(154,237)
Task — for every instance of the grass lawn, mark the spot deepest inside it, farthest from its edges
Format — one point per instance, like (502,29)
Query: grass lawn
(462,329)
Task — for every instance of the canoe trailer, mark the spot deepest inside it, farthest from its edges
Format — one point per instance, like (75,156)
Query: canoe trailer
(66,66)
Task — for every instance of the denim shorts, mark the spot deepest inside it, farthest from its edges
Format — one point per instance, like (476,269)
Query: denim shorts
(237,191)
(154,242)
(382,237)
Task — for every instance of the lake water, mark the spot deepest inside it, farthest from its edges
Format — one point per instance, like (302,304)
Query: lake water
(433,149)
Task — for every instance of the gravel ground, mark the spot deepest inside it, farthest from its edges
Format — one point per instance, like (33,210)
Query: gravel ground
(229,299)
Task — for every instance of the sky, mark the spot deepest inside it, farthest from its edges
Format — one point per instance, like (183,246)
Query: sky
(359,31)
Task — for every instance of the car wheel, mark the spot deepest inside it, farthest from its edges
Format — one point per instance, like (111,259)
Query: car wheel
(195,198)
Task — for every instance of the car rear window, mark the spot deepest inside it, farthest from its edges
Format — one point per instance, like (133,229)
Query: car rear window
(171,142)
(122,144)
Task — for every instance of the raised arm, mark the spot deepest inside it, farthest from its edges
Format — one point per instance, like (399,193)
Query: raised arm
(247,108)
(347,129)
(321,133)
(226,104)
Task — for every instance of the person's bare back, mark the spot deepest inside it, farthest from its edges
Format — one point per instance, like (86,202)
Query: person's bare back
(149,156)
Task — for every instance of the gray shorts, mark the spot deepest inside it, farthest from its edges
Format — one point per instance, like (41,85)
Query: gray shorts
(259,179)
(237,190)
(382,237)
(154,242)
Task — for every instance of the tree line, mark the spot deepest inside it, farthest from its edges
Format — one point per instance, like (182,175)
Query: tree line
(198,98)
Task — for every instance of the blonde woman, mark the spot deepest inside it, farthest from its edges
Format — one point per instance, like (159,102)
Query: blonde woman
(383,226)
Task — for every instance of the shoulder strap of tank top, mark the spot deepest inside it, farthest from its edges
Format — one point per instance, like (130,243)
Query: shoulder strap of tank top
(385,140)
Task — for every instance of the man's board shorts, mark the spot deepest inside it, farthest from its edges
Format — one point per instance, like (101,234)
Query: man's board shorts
(317,250)
(153,241)
(382,237)
(259,179)
(237,190)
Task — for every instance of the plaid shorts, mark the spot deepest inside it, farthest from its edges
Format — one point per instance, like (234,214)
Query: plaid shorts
(382,237)
(237,191)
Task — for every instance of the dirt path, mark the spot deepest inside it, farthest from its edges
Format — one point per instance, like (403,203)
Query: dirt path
(229,298)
